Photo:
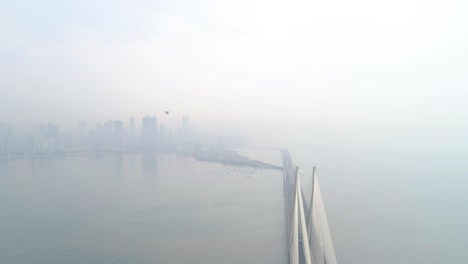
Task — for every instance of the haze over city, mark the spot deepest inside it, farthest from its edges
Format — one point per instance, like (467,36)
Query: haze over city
(337,61)
(373,93)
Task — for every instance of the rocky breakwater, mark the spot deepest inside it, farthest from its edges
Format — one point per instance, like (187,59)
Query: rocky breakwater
(229,157)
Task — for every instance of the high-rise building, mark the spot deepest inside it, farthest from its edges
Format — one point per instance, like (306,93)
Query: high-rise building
(108,133)
(54,141)
(149,131)
(118,133)
(41,139)
(99,141)
(161,133)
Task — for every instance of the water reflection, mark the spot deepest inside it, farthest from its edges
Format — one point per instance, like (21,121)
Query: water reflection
(118,164)
(149,164)
(79,212)
(3,167)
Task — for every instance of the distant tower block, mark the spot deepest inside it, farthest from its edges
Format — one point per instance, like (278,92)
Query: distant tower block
(149,131)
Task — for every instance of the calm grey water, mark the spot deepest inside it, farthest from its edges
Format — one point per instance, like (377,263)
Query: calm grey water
(145,208)
(386,203)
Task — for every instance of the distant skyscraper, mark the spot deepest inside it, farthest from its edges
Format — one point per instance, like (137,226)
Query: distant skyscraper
(161,132)
(118,133)
(81,134)
(99,141)
(108,134)
(149,131)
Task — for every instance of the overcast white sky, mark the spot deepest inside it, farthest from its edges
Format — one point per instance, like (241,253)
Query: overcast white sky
(359,61)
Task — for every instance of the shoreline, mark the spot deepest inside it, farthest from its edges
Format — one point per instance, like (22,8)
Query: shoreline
(222,156)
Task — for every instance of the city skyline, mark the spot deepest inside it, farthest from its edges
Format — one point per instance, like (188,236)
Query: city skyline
(103,135)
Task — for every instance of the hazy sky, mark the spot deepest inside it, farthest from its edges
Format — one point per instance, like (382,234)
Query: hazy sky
(313,61)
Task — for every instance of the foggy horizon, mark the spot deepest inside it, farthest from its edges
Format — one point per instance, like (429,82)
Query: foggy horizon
(372,93)
(242,60)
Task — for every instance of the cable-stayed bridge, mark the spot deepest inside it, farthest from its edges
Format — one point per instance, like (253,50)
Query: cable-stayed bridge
(309,236)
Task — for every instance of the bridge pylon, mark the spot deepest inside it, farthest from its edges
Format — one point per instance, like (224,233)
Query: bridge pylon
(309,236)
